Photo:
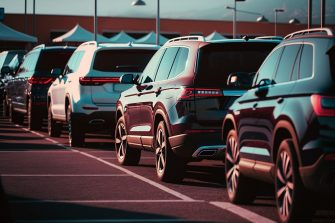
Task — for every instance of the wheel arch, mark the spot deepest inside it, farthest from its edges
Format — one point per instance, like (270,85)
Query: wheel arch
(161,115)
(284,129)
(227,124)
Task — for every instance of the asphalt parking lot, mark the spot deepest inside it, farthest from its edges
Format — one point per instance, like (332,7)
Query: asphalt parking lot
(44,180)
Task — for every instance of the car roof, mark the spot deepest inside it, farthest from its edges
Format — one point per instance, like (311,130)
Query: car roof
(129,45)
(44,47)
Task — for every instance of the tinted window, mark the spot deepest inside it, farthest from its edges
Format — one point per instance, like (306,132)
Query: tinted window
(218,61)
(74,62)
(332,61)
(295,71)
(122,60)
(29,62)
(149,72)
(306,62)
(52,59)
(268,68)
(179,63)
(286,63)
(166,63)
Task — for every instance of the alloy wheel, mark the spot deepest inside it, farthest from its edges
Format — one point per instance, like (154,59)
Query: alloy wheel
(160,151)
(121,141)
(232,165)
(285,185)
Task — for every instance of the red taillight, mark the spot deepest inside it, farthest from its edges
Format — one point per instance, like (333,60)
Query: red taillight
(323,105)
(98,80)
(40,80)
(200,92)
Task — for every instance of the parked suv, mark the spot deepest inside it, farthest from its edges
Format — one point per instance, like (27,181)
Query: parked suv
(27,92)
(86,93)
(176,106)
(283,129)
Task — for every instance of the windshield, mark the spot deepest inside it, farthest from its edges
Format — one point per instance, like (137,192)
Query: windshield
(122,60)
(217,61)
(52,59)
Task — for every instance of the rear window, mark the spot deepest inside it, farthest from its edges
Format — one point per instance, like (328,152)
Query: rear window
(217,61)
(52,59)
(122,60)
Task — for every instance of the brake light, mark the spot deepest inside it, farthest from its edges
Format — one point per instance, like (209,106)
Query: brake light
(98,80)
(323,105)
(41,80)
(200,92)
(330,157)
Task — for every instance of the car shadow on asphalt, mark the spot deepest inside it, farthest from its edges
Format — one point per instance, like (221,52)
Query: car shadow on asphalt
(5,213)
(29,209)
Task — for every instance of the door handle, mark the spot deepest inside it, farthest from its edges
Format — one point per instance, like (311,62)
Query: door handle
(280,100)
(158,91)
(254,106)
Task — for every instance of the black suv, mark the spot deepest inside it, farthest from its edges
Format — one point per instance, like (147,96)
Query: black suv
(283,129)
(176,106)
(27,92)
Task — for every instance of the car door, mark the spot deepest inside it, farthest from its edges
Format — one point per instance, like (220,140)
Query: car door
(60,84)
(134,98)
(245,111)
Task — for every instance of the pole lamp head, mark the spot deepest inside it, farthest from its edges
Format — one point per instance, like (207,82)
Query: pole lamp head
(138,3)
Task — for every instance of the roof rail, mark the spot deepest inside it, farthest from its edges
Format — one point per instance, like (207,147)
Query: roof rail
(94,43)
(184,38)
(325,31)
(39,46)
(270,37)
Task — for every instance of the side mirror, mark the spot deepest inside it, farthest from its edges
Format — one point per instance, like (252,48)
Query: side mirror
(241,80)
(128,79)
(265,82)
(56,72)
(263,87)
(5,70)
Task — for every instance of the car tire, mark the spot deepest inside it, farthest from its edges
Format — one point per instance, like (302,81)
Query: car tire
(76,131)
(125,154)
(34,118)
(5,107)
(54,128)
(293,202)
(169,167)
(240,189)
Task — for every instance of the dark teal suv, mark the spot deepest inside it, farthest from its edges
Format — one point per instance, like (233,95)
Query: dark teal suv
(283,129)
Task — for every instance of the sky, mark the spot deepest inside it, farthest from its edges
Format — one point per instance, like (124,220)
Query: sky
(248,10)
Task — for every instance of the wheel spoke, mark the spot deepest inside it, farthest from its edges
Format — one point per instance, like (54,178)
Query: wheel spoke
(229,174)
(117,140)
(124,138)
(290,185)
(289,198)
(162,159)
(280,176)
(286,206)
(229,158)
(280,192)
(286,167)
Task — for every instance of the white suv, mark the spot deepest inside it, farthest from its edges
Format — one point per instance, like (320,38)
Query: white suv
(85,94)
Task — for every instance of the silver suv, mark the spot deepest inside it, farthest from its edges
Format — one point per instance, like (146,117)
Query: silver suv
(85,94)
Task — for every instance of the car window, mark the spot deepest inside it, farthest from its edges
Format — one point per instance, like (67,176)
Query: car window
(166,63)
(306,62)
(74,62)
(132,60)
(268,68)
(149,72)
(295,72)
(180,62)
(52,59)
(218,60)
(286,63)
(29,62)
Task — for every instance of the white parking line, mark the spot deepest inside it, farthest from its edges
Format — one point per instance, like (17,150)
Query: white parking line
(100,201)
(244,213)
(114,158)
(137,176)
(105,220)
(64,175)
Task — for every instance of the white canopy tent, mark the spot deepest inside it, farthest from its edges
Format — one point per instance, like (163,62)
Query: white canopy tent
(150,38)
(121,37)
(79,34)
(12,35)
(215,36)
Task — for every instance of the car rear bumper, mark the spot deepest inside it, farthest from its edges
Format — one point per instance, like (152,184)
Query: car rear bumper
(320,177)
(198,145)
(97,121)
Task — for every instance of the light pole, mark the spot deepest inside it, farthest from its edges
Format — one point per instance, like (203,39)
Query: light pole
(95,20)
(25,17)
(234,16)
(142,3)
(276,11)
(34,18)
